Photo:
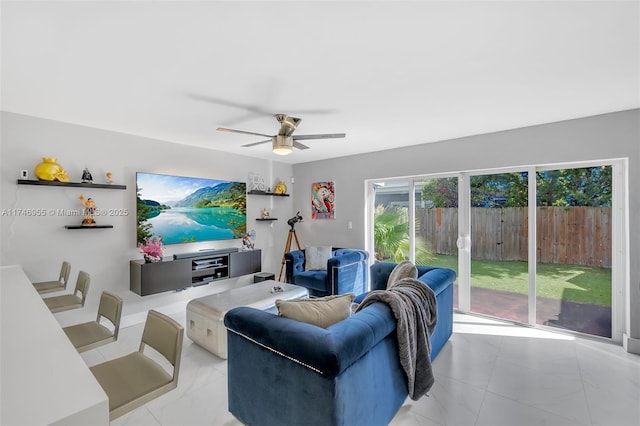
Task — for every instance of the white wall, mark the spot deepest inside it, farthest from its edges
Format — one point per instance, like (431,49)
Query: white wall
(607,136)
(40,244)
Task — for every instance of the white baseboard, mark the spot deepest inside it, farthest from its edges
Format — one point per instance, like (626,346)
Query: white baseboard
(631,344)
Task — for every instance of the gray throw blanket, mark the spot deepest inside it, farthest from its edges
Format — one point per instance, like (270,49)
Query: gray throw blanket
(414,305)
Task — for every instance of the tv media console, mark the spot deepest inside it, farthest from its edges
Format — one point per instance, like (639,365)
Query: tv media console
(192,269)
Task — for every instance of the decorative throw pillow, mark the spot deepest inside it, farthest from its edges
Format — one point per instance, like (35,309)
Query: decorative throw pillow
(404,269)
(315,258)
(320,311)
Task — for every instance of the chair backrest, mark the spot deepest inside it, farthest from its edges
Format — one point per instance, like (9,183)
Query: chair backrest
(165,336)
(111,308)
(82,285)
(64,273)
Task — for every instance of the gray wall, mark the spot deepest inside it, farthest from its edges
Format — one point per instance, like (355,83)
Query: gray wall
(607,136)
(40,244)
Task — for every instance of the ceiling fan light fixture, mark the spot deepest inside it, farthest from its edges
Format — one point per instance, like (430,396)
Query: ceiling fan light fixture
(282,145)
(282,150)
(283,142)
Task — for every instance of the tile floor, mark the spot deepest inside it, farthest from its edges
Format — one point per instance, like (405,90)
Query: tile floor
(490,373)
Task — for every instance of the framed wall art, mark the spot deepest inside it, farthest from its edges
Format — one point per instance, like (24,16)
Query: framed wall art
(323,200)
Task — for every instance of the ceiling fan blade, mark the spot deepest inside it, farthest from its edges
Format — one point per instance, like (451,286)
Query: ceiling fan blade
(256,109)
(320,136)
(299,145)
(219,101)
(224,129)
(311,111)
(255,143)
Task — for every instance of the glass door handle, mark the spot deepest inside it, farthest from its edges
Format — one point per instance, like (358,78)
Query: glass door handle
(463,242)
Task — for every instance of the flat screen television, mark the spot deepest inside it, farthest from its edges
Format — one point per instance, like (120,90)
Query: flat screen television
(183,209)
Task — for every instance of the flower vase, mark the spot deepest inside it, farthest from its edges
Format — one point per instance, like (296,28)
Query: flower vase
(49,170)
(151,259)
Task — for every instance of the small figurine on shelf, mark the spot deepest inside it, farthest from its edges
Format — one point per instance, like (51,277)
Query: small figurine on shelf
(86,176)
(109,177)
(89,211)
(256,183)
(265,213)
(280,188)
(246,242)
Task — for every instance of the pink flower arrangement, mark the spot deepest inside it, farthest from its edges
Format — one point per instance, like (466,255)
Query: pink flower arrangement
(152,248)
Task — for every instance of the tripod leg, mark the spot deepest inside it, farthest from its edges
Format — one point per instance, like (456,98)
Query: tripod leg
(287,248)
(297,242)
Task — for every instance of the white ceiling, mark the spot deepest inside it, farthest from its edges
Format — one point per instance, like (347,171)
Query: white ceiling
(387,74)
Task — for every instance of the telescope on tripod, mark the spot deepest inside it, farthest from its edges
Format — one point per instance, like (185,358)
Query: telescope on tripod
(292,222)
(292,233)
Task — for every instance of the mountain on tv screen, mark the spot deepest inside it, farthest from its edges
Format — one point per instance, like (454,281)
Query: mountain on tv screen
(187,209)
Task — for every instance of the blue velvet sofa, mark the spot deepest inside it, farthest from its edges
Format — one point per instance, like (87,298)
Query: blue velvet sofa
(440,280)
(347,272)
(284,372)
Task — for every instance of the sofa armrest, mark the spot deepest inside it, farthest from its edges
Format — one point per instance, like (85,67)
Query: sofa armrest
(294,262)
(344,257)
(438,279)
(348,271)
(328,351)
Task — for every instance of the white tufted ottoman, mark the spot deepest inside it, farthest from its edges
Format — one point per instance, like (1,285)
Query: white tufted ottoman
(205,315)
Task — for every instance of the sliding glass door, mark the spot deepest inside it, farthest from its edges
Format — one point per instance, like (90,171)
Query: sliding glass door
(531,245)
(436,223)
(499,240)
(574,243)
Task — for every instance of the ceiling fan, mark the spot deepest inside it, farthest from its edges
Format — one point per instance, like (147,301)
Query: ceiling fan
(284,142)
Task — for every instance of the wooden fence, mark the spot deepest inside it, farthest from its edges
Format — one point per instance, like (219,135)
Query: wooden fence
(565,235)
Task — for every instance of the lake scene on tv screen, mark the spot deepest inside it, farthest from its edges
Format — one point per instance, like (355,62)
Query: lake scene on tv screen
(188,209)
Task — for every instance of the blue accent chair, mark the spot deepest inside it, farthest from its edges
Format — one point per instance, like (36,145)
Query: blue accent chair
(347,272)
(285,372)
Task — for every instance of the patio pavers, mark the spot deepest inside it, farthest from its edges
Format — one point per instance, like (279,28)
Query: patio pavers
(576,316)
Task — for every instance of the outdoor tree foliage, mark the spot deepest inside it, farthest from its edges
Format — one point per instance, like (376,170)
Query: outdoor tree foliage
(501,190)
(391,229)
(391,237)
(441,192)
(589,186)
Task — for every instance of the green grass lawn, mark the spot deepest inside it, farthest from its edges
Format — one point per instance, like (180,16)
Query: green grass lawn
(570,282)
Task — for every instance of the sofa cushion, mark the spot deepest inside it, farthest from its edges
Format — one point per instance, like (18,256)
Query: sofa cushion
(404,269)
(321,311)
(313,280)
(316,258)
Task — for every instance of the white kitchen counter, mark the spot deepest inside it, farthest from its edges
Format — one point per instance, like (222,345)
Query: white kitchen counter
(43,378)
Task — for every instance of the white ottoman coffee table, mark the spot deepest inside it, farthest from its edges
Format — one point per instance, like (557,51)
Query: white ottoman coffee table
(205,315)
